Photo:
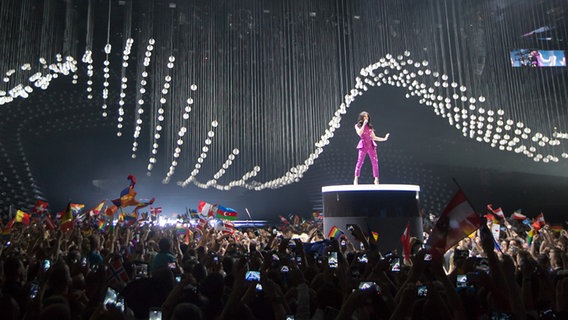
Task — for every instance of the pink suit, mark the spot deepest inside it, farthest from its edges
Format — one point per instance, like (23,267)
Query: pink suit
(367,146)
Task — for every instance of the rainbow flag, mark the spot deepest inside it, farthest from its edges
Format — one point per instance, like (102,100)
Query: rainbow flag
(181,230)
(334,232)
(375,236)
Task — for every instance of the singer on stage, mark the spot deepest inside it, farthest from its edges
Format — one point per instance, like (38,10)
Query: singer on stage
(367,145)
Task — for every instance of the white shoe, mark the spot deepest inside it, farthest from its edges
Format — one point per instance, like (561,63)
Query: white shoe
(376,181)
(356,181)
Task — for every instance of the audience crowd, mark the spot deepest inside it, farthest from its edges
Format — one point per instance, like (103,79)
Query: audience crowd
(290,271)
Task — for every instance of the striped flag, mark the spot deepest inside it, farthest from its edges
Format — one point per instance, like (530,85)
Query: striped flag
(498,212)
(457,221)
(96,210)
(226,213)
(206,209)
(334,232)
(517,215)
(22,217)
(538,222)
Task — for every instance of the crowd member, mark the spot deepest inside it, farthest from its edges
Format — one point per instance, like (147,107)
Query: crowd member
(290,271)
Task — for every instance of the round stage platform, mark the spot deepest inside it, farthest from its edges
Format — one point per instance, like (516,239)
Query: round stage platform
(383,208)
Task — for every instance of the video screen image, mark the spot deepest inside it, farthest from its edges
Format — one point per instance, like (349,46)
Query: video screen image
(535,58)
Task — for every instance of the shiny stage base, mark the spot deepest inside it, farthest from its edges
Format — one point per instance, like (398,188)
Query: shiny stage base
(384,208)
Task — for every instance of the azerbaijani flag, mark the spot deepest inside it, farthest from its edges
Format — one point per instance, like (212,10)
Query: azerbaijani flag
(226,213)
(334,232)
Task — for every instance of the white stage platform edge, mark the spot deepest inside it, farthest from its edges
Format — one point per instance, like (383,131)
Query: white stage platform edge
(371,187)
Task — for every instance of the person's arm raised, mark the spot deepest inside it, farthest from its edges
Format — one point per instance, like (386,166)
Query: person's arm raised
(359,130)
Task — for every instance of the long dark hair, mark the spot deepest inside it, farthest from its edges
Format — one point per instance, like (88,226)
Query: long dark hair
(360,120)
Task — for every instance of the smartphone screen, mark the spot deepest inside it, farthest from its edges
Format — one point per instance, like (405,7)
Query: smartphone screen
(34,289)
(155,314)
(422,291)
(367,286)
(120,304)
(111,296)
(363,258)
(332,260)
(395,264)
(253,276)
(461,280)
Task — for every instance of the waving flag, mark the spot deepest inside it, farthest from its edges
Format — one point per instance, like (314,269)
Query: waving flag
(201,224)
(206,209)
(405,240)
(40,207)
(116,274)
(23,217)
(538,222)
(517,215)
(155,211)
(226,213)
(67,220)
(228,228)
(127,198)
(284,220)
(334,232)
(498,212)
(96,210)
(457,221)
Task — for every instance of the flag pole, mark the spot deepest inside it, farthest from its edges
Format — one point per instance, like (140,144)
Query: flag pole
(248,213)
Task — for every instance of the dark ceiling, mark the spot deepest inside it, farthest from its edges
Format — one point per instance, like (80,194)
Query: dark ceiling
(55,145)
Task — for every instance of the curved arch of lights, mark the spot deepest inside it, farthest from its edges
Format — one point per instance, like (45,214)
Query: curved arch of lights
(447,99)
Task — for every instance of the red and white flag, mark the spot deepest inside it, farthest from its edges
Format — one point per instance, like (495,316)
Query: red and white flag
(498,212)
(155,211)
(517,215)
(538,222)
(228,228)
(40,207)
(206,209)
(456,222)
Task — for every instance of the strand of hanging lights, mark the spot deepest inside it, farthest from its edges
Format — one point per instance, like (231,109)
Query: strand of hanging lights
(106,65)
(472,115)
(140,98)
